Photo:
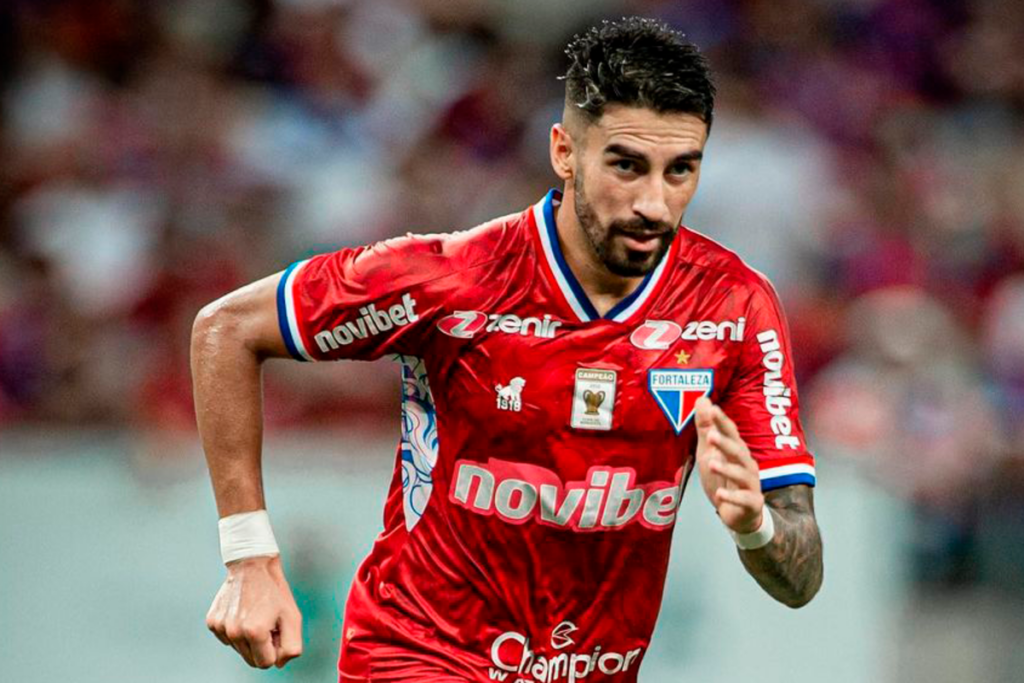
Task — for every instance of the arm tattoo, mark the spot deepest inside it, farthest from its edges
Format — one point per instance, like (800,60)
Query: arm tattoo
(790,567)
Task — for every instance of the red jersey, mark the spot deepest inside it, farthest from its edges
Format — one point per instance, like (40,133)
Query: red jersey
(545,448)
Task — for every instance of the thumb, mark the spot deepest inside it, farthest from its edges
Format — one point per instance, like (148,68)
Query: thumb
(704,419)
(289,638)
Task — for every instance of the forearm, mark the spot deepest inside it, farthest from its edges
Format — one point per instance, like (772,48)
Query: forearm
(790,567)
(227,384)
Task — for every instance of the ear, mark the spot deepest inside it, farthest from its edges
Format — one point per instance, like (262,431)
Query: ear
(563,152)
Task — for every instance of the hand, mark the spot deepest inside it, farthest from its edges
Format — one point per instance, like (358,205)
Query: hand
(255,613)
(728,473)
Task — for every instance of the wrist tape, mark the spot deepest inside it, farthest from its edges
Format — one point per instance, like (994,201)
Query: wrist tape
(760,538)
(247,534)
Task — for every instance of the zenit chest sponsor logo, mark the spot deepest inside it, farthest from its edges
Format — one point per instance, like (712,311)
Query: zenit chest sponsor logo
(661,334)
(608,499)
(777,396)
(371,322)
(466,324)
(511,655)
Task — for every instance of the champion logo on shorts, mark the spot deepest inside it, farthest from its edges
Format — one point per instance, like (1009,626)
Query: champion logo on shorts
(677,391)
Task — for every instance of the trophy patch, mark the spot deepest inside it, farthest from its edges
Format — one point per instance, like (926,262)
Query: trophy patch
(593,400)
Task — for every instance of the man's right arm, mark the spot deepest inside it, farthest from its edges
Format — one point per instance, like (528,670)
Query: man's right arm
(254,611)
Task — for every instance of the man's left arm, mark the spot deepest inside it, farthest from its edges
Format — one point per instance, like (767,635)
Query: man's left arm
(788,566)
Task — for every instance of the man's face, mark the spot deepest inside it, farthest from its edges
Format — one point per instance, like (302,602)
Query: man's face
(635,173)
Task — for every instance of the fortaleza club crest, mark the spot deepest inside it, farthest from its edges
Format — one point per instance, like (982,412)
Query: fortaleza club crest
(677,391)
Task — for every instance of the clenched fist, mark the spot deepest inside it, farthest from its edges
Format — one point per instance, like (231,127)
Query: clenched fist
(728,473)
(254,612)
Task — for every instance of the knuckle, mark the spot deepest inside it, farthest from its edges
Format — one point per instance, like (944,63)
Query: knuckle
(251,632)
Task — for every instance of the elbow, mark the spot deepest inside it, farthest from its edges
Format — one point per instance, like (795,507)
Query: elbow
(799,600)
(212,320)
(241,322)
(217,325)
(205,320)
(803,595)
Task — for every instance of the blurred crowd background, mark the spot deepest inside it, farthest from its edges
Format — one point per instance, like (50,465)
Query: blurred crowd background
(868,155)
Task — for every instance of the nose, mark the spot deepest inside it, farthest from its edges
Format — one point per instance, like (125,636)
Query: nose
(651,203)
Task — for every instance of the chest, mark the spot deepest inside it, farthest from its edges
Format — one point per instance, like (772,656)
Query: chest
(530,387)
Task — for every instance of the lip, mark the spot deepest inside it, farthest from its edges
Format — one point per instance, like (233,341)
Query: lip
(641,242)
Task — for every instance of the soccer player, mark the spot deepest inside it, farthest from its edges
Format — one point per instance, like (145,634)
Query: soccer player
(564,369)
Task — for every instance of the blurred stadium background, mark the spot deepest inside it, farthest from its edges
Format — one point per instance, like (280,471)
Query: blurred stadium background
(868,155)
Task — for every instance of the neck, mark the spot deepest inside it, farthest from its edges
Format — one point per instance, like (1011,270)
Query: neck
(604,288)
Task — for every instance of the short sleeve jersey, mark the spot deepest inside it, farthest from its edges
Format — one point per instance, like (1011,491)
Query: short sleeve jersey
(544,447)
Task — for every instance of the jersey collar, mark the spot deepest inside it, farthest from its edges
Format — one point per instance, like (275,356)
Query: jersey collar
(572,290)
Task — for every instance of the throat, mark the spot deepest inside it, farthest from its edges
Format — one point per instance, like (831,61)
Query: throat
(604,289)
(604,300)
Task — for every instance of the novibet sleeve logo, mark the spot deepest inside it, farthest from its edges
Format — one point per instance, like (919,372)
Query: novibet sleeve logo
(677,391)
(371,322)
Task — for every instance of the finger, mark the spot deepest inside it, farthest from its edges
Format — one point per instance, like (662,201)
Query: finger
(289,644)
(725,423)
(744,498)
(728,428)
(262,646)
(218,630)
(240,643)
(233,627)
(735,473)
(703,418)
(732,448)
(215,622)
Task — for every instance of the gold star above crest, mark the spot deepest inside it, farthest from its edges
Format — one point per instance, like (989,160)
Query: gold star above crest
(682,358)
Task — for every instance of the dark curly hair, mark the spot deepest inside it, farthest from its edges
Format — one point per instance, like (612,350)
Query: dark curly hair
(637,62)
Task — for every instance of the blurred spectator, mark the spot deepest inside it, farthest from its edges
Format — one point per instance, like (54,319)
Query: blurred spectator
(866,155)
(909,400)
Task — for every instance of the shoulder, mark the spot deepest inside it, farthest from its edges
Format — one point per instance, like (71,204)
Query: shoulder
(426,260)
(702,257)
(495,240)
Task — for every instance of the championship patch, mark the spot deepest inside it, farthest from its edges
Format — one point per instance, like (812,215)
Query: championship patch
(593,399)
(677,391)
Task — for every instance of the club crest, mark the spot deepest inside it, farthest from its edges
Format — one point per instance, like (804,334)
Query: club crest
(677,391)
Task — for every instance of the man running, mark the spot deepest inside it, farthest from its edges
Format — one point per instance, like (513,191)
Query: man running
(565,369)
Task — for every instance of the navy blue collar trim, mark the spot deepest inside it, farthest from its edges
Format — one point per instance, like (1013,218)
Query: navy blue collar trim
(570,277)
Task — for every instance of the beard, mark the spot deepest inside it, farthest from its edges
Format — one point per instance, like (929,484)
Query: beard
(613,253)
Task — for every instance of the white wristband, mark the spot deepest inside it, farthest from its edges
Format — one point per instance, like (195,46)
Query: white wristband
(247,534)
(760,538)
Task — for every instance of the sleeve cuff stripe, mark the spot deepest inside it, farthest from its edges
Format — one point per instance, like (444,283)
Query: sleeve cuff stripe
(788,480)
(772,463)
(286,317)
(787,470)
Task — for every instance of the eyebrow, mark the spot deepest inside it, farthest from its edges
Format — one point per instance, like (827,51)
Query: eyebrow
(626,152)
